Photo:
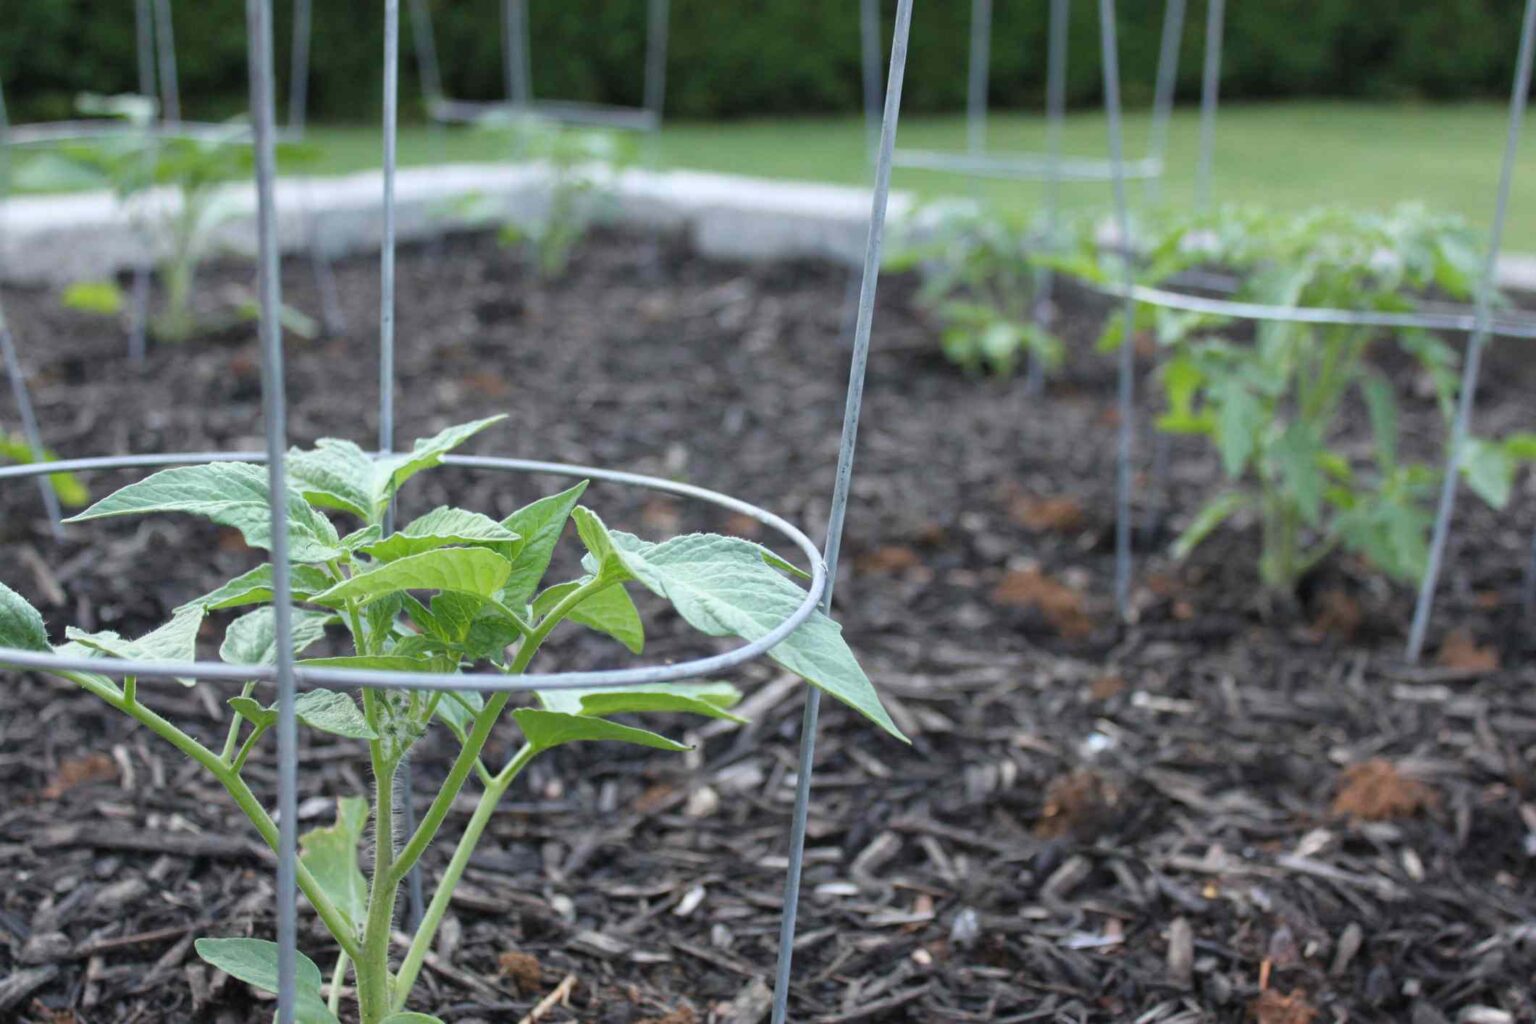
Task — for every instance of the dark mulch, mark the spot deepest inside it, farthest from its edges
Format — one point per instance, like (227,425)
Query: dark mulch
(1165,822)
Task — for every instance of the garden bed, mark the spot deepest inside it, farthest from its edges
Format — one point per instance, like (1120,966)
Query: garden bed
(1163,822)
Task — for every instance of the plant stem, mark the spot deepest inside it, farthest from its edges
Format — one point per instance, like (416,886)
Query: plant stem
(338,978)
(469,755)
(334,922)
(410,967)
(234,726)
(373,983)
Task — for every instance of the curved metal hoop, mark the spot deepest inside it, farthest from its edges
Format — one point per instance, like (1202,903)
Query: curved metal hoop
(485,682)
(1462,321)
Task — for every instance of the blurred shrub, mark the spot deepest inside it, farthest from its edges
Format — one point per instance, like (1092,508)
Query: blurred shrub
(736,57)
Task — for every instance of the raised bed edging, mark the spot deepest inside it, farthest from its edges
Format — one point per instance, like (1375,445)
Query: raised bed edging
(58,239)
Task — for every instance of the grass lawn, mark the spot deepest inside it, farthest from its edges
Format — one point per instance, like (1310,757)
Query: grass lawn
(1288,155)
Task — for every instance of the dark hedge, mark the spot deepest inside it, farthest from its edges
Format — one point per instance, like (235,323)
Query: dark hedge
(741,57)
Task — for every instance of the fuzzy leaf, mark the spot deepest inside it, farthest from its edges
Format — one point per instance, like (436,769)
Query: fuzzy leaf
(395,470)
(254,961)
(722,587)
(1489,470)
(252,638)
(443,527)
(458,709)
(546,729)
(175,640)
(331,856)
(232,494)
(610,611)
(711,700)
(325,710)
(540,525)
(21,625)
(461,570)
(255,587)
(411,1017)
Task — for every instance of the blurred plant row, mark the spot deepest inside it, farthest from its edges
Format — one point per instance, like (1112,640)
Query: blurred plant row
(1304,418)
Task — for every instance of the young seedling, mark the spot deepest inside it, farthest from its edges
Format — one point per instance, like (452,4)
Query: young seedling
(980,283)
(1275,408)
(195,171)
(580,165)
(71,490)
(452,590)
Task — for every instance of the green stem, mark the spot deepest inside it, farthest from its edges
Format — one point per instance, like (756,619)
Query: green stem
(234,726)
(410,967)
(334,922)
(373,988)
(469,755)
(338,978)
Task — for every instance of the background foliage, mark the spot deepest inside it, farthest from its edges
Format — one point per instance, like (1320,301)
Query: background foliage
(737,57)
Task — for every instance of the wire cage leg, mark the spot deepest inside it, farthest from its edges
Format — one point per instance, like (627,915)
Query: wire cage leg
(1466,400)
(1210,92)
(30,433)
(1055,122)
(841,487)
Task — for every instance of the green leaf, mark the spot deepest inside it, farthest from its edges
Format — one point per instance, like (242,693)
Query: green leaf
(461,570)
(409,1017)
(175,640)
(604,561)
(609,610)
(336,474)
(540,525)
(546,729)
(1297,452)
(231,494)
(1521,447)
(21,625)
(722,587)
(252,638)
(254,961)
(711,700)
(331,856)
(102,298)
(458,709)
(1381,406)
(395,470)
(1215,512)
(255,587)
(1239,419)
(1489,470)
(325,710)
(443,527)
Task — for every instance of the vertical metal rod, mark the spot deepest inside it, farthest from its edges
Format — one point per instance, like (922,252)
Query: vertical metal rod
(20,393)
(1055,120)
(1163,92)
(144,38)
(1127,373)
(274,414)
(840,490)
(165,39)
(1487,287)
(979,73)
(426,51)
(869,66)
(1528,585)
(1210,90)
(415,902)
(515,47)
(658,14)
(29,428)
(298,68)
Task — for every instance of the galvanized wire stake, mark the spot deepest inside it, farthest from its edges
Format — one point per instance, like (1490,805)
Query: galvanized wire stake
(165,42)
(869,66)
(29,429)
(298,68)
(274,414)
(138,317)
(979,72)
(144,41)
(1487,287)
(840,490)
(657,33)
(1210,89)
(427,67)
(1109,48)
(1167,84)
(1055,122)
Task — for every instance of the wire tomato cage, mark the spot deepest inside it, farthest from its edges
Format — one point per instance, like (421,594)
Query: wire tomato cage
(288,677)
(517,71)
(1479,322)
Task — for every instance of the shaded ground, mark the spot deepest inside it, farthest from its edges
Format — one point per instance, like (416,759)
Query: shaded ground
(1166,822)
